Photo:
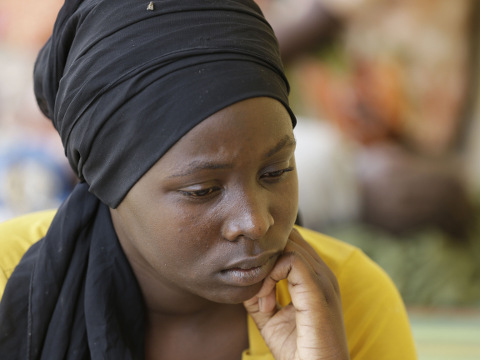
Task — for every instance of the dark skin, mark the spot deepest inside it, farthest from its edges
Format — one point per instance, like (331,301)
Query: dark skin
(208,232)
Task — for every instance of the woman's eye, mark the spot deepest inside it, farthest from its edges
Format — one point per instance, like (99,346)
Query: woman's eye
(199,193)
(276,174)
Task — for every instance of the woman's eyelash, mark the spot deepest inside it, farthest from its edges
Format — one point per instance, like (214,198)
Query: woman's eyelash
(199,193)
(209,191)
(278,173)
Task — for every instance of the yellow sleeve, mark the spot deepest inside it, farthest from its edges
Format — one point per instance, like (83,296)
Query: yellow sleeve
(16,236)
(376,321)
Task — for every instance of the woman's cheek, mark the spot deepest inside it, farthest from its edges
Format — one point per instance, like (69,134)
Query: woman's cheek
(287,201)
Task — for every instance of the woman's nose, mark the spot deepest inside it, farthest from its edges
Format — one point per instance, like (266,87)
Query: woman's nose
(248,216)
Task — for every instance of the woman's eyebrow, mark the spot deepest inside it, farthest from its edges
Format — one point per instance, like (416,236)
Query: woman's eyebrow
(199,165)
(286,141)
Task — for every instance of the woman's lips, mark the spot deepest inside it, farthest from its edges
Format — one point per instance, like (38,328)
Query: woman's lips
(249,271)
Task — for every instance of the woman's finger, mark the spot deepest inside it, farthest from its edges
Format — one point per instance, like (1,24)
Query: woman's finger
(262,309)
(313,322)
(299,245)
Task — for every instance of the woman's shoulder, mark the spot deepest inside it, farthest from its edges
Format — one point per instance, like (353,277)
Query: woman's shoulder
(334,252)
(26,228)
(16,237)
(348,262)
(356,273)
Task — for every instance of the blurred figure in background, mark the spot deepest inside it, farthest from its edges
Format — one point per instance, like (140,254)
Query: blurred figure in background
(394,78)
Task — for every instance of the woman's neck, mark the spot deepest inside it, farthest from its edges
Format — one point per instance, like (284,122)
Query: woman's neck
(208,332)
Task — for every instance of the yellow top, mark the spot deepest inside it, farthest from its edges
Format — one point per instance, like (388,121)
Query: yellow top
(375,318)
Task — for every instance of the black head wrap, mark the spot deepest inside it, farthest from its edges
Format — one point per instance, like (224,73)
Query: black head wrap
(123,80)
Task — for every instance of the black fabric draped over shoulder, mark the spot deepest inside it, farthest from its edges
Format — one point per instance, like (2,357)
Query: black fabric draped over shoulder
(74,295)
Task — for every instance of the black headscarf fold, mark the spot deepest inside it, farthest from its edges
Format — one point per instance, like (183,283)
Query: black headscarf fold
(122,83)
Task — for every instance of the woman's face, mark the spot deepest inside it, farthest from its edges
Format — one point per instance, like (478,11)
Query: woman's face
(211,217)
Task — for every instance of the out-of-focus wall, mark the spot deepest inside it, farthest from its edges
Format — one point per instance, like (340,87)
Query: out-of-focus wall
(34,174)
(25,26)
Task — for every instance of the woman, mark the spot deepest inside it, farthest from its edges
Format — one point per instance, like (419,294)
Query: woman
(175,117)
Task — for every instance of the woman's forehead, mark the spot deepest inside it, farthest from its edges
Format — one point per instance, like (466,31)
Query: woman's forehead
(258,128)
(260,119)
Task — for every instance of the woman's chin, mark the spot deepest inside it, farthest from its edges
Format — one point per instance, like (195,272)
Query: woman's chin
(236,295)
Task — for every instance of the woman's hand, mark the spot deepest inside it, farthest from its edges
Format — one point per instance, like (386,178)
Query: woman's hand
(311,327)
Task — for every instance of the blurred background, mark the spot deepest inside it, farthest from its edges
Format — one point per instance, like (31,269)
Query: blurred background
(388,104)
